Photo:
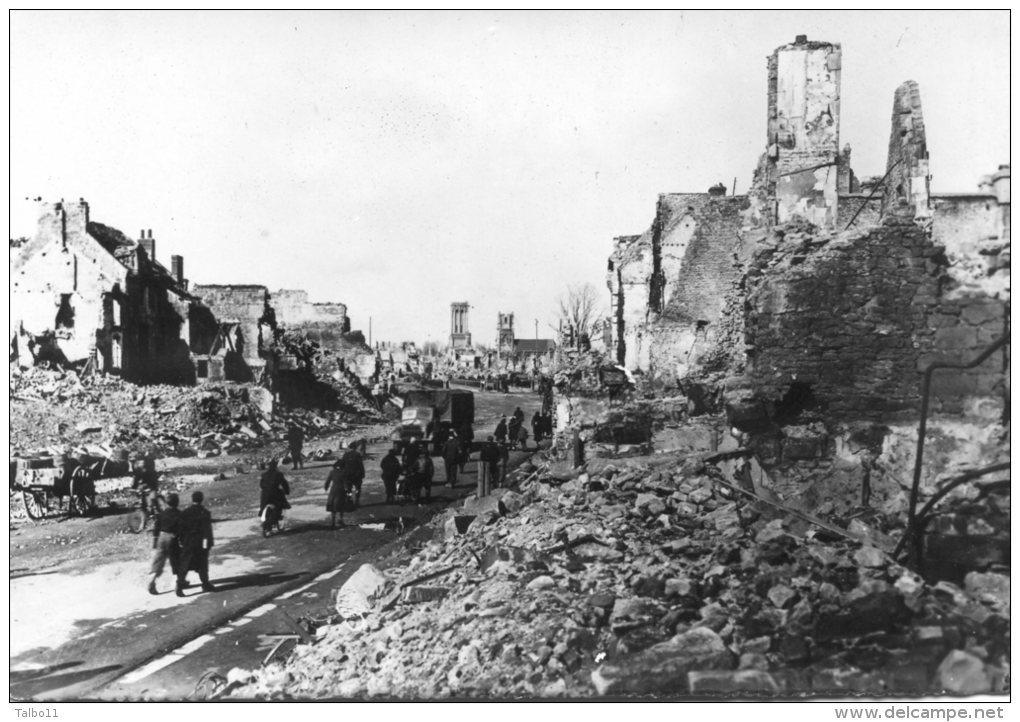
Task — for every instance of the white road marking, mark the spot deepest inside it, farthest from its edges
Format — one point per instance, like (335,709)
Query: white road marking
(151,668)
(186,649)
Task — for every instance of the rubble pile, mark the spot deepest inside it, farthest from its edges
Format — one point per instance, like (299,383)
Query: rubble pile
(332,368)
(646,577)
(578,372)
(56,412)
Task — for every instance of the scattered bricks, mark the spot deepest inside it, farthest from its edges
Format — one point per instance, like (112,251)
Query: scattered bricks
(746,681)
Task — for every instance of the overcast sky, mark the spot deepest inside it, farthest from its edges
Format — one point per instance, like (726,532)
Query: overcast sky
(399,161)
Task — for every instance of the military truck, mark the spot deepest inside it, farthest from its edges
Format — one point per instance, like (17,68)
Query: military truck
(423,410)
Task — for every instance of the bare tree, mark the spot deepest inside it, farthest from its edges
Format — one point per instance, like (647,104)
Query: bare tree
(578,310)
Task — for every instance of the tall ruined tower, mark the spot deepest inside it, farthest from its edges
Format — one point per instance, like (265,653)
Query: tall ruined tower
(906,169)
(460,337)
(505,334)
(803,132)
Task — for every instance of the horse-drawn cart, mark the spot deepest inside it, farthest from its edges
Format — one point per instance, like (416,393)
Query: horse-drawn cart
(43,480)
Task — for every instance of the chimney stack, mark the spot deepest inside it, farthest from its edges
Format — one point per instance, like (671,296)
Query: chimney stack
(148,245)
(177,269)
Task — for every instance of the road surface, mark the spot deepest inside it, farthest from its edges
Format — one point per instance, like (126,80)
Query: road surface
(83,625)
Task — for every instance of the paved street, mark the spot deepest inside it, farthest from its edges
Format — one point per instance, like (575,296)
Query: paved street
(98,624)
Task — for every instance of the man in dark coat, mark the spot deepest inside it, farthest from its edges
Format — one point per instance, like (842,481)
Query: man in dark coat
(391,467)
(501,431)
(273,489)
(196,539)
(536,426)
(519,415)
(451,457)
(164,541)
(295,442)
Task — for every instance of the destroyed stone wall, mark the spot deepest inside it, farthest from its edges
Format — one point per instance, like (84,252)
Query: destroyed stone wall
(247,306)
(858,210)
(293,309)
(858,316)
(803,131)
(975,231)
(700,246)
(631,266)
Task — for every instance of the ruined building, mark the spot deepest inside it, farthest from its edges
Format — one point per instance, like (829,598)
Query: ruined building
(810,308)
(324,323)
(245,323)
(83,293)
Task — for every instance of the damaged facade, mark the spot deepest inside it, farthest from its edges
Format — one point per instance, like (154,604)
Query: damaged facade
(84,293)
(245,321)
(810,308)
(324,323)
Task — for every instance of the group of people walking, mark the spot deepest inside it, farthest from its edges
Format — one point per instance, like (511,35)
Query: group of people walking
(514,432)
(184,538)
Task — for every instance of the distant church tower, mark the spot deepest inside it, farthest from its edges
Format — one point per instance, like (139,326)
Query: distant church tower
(460,337)
(505,334)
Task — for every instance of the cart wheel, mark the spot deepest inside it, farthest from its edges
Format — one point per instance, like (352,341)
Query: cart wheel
(136,521)
(81,504)
(35,504)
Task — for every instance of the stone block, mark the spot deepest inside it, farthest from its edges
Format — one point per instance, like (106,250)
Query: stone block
(744,681)
(663,668)
(962,673)
(361,591)
(988,586)
(417,594)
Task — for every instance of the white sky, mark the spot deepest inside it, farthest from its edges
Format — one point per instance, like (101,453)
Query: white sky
(398,161)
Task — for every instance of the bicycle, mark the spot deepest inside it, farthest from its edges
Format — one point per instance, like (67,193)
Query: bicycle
(150,504)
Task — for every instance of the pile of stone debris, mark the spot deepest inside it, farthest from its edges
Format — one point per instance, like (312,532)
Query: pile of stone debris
(646,577)
(58,412)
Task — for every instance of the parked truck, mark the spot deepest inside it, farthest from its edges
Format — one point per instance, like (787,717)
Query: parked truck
(424,410)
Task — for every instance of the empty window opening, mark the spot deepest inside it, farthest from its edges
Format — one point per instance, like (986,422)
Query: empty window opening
(202,370)
(798,399)
(65,314)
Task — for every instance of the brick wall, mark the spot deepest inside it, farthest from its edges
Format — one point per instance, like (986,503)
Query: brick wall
(857,316)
